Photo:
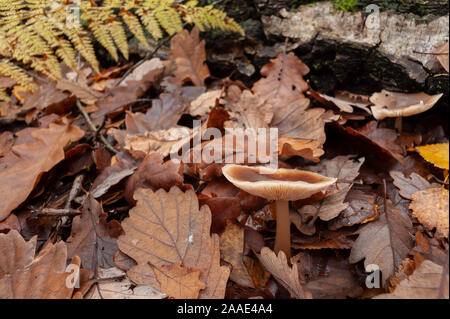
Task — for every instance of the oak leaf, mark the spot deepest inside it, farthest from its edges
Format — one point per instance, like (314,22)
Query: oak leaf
(24,276)
(189,55)
(166,228)
(430,207)
(29,158)
(179,282)
(287,276)
(204,103)
(384,242)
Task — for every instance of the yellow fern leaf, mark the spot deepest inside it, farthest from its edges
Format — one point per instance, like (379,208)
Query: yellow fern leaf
(10,70)
(149,21)
(119,36)
(134,25)
(83,45)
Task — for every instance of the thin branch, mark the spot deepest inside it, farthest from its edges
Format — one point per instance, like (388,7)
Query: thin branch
(94,129)
(59,212)
(148,56)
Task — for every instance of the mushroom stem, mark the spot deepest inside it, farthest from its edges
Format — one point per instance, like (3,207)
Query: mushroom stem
(399,124)
(283,234)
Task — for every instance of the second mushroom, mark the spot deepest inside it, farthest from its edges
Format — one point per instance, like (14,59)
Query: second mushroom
(281,185)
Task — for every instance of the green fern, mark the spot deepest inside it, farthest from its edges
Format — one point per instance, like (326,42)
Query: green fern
(41,33)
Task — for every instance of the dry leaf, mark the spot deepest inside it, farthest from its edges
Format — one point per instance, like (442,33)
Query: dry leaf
(283,88)
(343,168)
(287,276)
(430,207)
(153,173)
(384,242)
(90,238)
(408,186)
(429,281)
(232,251)
(24,276)
(179,282)
(164,142)
(111,176)
(166,228)
(31,156)
(437,154)
(189,55)
(204,103)
(121,289)
(344,102)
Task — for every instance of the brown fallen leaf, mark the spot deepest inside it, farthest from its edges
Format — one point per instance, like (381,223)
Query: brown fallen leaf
(111,176)
(154,173)
(283,87)
(361,209)
(429,281)
(24,276)
(178,281)
(164,142)
(251,111)
(188,54)
(430,248)
(232,251)
(430,207)
(327,275)
(120,289)
(204,103)
(90,238)
(382,138)
(409,185)
(166,228)
(29,158)
(384,242)
(343,168)
(286,275)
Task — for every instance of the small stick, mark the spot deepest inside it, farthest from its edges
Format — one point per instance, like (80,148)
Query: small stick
(59,212)
(94,129)
(148,56)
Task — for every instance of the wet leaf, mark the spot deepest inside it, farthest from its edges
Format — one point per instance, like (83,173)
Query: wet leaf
(410,185)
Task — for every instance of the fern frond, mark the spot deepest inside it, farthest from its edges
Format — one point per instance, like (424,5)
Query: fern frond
(134,25)
(96,23)
(38,33)
(10,70)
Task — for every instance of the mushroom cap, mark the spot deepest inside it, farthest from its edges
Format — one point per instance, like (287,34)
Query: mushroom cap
(276,184)
(392,104)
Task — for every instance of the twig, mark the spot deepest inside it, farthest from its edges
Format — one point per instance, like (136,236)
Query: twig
(148,56)
(59,212)
(37,77)
(94,129)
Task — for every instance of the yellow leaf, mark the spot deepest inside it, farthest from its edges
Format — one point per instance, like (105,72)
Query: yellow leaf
(437,154)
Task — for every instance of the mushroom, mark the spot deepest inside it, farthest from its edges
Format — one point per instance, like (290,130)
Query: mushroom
(282,185)
(398,105)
